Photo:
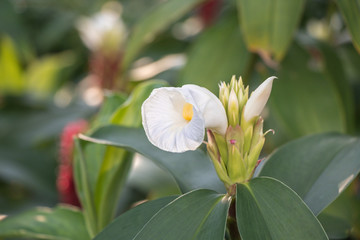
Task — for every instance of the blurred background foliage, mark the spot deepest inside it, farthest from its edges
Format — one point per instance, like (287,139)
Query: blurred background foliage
(49,78)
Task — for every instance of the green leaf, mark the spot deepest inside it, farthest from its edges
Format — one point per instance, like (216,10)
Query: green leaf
(203,66)
(111,103)
(154,22)
(129,114)
(191,170)
(60,223)
(350,10)
(195,215)
(122,228)
(305,100)
(11,80)
(116,163)
(268,209)
(317,167)
(334,70)
(266,28)
(83,189)
(42,75)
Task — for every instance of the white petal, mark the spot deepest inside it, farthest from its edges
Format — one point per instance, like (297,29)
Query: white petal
(164,124)
(209,105)
(258,99)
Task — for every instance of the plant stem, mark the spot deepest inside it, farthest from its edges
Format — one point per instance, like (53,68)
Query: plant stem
(232,223)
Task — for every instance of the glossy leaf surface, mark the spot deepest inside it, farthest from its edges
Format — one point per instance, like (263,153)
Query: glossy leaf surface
(267,209)
(195,215)
(191,170)
(317,167)
(60,223)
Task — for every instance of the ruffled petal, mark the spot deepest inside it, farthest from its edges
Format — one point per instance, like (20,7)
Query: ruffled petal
(164,124)
(209,106)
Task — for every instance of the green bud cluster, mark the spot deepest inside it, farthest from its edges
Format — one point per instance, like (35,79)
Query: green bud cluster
(236,154)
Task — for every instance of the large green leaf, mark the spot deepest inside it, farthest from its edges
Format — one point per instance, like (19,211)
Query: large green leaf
(203,66)
(158,19)
(191,170)
(269,25)
(267,209)
(60,223)
(122,228)
(305,100)
(83,188)
(350,10)
(199,215)
(116,162)
(317,167)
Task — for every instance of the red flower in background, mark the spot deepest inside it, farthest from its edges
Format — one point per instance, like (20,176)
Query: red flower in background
(65,181)
(209,10)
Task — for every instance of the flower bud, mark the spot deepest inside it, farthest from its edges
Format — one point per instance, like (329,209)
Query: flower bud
(233,109)
(224,94)
(258,99)
(215,156)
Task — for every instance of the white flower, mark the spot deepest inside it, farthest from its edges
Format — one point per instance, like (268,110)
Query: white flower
(258,99)
(103,31)
(175,119)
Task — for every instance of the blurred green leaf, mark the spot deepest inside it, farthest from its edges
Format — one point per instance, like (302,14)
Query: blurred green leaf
(11,81)
(83,189)
(350,10)
(116,162)
(268,209)
(318,167)
(268,25)
(59,223)
(112,102)
(208,50)
(199,215)
(305,100)
(335,227)
(42,75)
(11,24)
(334,70)
(129,114)
(122,228)
(158,19)
(340,218)
(191,170)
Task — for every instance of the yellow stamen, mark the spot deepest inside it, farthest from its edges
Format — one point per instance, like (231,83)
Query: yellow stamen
(188,111)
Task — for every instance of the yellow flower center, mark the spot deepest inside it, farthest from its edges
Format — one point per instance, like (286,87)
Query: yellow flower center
(188,111)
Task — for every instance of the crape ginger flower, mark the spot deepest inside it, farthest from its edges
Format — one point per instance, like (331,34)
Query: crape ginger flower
(175,119)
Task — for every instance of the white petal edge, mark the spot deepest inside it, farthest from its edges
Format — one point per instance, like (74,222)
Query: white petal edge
(164,125)
(258,99)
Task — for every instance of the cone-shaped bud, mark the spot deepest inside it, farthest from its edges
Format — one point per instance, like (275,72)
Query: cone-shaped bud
(258,99)
(224,94)
(215,156)
(233,109)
